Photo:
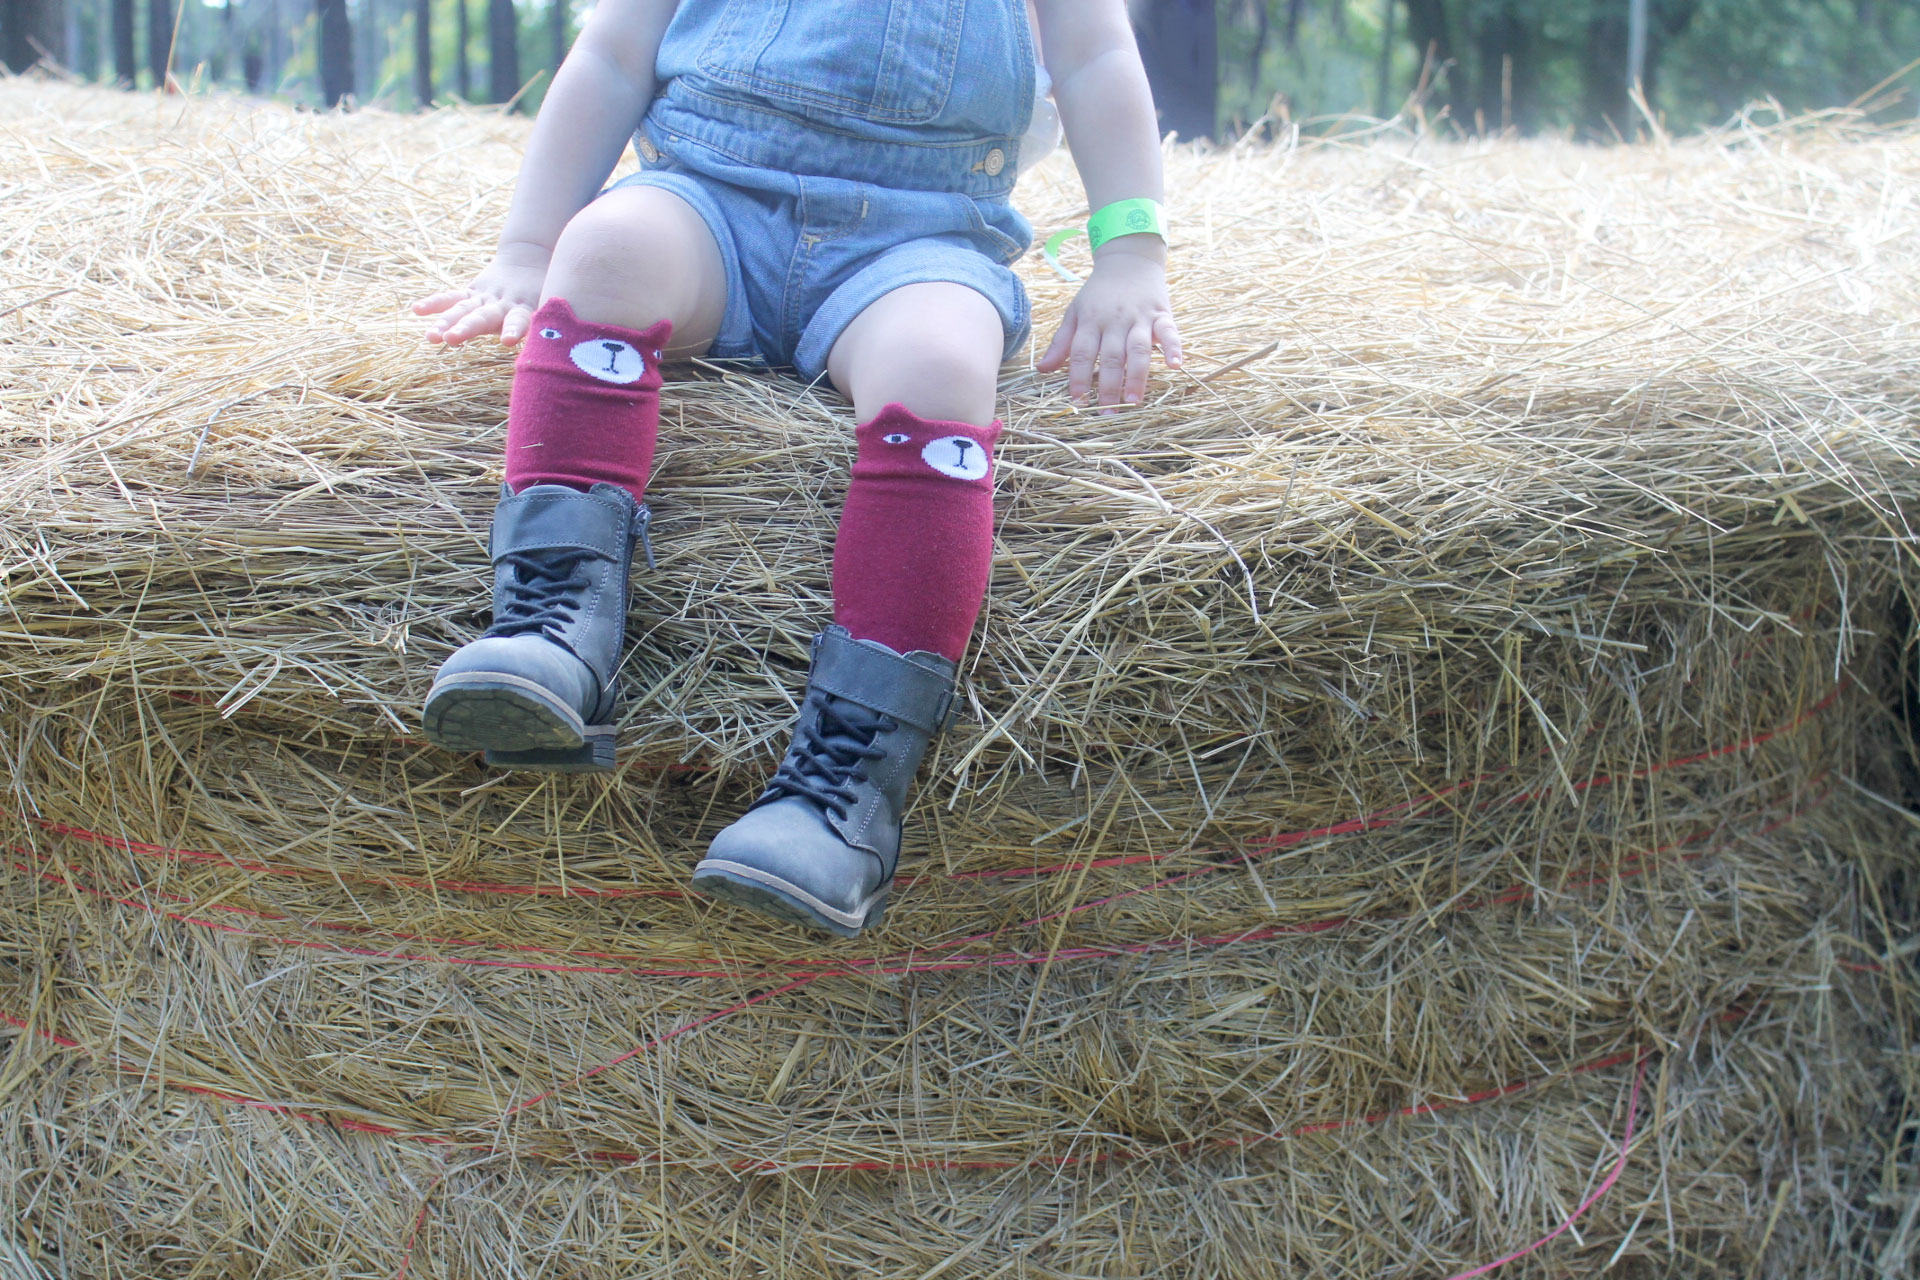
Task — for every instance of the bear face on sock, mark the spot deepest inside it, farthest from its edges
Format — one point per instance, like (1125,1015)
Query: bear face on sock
(958,456)
(600,356)
(568,429)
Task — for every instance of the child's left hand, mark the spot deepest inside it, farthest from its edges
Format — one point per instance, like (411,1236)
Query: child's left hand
(1120,314)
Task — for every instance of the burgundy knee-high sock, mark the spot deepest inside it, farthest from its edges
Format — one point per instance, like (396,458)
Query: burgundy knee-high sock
(916,540)
(585,406)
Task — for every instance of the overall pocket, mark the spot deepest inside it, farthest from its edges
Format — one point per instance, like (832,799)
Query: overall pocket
(881,61)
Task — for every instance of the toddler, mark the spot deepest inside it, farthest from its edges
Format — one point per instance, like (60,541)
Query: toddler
(824,185)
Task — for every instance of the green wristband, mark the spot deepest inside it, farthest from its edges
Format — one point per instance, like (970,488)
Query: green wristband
(1125,218)
(1121,218)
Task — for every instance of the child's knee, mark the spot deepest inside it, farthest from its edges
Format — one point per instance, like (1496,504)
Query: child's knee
(942,378)
(935,349)
(948,357)
(638,256)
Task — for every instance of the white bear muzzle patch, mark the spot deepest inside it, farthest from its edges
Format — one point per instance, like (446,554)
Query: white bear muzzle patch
(956,456)
(609,360)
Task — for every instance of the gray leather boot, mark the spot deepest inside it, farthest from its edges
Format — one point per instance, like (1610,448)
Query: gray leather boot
(820,845)
(537,690)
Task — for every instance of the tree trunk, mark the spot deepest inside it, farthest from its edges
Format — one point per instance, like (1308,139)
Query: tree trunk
(336,51)
(462,70)
(423,53)
(1671,18)
(16,54)
(557,23)
(1603,69)
(77,42)
(31,29)
(1428,29)
(366,57)
(1262,29)
(160,21)
(126,63)
(503,50)
(1179,43)
(1507,70)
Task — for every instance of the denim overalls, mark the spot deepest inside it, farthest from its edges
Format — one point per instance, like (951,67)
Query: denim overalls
(839,149)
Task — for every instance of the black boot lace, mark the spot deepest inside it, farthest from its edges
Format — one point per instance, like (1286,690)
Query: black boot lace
(541,593)
(829,756)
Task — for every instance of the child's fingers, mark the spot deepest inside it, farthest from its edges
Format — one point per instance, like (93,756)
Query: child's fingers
(436,303)
(1113,364)
(451,317)
(514,327)
(1086,349)
(1062,343)
(1139,356)
(482,319)
(1167,334)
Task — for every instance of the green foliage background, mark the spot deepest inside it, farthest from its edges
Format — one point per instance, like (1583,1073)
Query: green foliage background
(1708,59)
(1305,60)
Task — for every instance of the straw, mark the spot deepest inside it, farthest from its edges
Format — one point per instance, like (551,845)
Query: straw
(1462,698)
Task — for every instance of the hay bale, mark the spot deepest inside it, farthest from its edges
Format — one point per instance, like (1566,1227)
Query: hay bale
(1413,793)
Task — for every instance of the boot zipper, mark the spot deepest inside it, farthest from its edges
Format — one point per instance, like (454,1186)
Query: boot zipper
(640,533)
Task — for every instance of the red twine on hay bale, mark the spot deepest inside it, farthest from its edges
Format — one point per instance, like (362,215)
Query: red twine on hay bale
(907,963)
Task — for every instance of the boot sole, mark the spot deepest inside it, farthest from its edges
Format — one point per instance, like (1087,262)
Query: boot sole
(768,894)
(516,722)
(595,755)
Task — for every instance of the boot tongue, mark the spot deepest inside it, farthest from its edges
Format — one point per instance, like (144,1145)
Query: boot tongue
(843,721)
(826,755)
(540,593)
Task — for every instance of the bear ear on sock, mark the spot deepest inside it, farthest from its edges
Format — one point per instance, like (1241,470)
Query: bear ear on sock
(915,548)
(585,407)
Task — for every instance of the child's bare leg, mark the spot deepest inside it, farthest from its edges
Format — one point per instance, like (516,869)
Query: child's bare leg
(637,256)
(635,275)
(909,568)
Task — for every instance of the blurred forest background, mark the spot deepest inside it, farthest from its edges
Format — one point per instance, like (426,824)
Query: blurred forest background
(1219,67)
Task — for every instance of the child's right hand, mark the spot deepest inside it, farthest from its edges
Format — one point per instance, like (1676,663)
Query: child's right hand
(500,300)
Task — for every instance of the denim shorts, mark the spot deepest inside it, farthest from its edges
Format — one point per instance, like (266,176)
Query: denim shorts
(801,265)
(839,150)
